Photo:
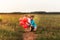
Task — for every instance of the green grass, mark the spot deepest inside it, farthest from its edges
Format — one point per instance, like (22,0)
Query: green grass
(9,28)
(48,27)
(9,35)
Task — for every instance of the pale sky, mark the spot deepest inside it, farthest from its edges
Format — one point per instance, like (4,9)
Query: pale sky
(29,5)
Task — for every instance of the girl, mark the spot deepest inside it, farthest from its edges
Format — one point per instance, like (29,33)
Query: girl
(24,22)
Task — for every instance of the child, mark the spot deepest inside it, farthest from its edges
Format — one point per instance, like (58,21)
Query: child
(24,22)
(29,20)
(33,25)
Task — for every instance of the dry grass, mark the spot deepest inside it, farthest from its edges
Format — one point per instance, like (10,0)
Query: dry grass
(48,27)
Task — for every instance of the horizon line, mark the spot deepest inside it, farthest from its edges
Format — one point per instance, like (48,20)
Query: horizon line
(29,12)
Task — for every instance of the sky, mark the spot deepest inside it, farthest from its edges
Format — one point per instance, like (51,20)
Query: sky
(29,5)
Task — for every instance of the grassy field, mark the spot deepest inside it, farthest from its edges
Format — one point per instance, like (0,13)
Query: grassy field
(48,26)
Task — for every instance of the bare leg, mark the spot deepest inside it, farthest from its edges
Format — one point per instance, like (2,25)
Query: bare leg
(35,29)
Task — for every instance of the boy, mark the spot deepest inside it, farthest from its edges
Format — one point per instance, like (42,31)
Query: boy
(33,25)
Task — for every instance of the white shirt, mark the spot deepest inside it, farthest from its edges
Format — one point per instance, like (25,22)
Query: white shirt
(29,20)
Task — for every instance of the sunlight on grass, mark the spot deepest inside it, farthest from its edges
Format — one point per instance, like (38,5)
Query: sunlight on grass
(48,27)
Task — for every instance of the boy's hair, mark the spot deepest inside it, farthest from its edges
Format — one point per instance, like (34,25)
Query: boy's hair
(32,16)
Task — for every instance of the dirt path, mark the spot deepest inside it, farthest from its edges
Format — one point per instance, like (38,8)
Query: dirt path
(29,36)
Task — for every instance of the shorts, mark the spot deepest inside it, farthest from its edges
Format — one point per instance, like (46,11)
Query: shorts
(32,28)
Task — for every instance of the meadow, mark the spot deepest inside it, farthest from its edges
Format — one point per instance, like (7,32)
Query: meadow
(48,26)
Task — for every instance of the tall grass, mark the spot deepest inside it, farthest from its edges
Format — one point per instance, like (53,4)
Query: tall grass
(48,26)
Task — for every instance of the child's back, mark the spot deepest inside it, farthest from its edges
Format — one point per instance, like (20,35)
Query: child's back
(33,23)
